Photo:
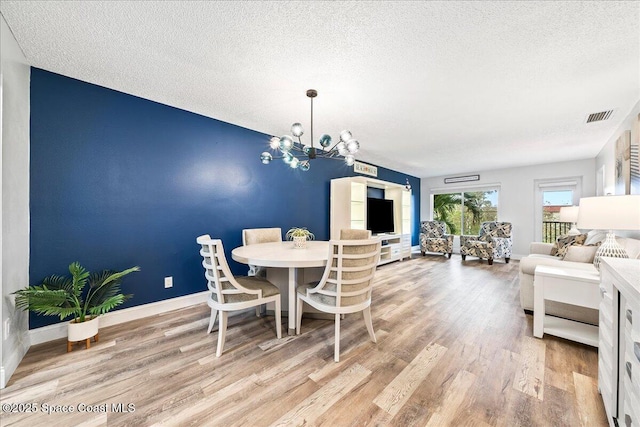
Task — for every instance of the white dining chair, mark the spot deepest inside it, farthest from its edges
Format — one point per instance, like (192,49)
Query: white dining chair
(353,234)
(231,293)
(252,236)
(345,286)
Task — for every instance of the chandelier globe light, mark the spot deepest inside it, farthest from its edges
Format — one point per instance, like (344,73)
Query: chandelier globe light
(298,155)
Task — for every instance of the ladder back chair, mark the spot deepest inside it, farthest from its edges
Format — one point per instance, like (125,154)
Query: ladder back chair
(231,293)
(345,286)
(252,236)
(353,234)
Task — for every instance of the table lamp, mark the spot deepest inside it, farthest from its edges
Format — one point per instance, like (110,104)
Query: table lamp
(570,214)
(609,213)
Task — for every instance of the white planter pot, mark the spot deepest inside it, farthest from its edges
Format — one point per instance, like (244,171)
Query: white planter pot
(300,242)
(84,330)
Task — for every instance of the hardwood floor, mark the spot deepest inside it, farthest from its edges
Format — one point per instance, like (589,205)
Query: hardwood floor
(454,348)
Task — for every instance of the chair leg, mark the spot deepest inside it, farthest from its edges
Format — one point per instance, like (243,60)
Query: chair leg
(506,260)
(299,305)
(278,319)
(336,350)
(222,332)
(490,261)
(423,253)
(449,255)
(367,321)
(212,321)
(261,310)
(463,257)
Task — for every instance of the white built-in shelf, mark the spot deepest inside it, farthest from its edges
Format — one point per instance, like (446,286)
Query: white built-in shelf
(393,248)
(570,330)
(349,210)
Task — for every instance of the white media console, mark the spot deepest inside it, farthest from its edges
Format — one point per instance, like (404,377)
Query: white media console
(349,210)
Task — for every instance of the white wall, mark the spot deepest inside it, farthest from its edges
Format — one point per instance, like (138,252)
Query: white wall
(517,194)
(14,201)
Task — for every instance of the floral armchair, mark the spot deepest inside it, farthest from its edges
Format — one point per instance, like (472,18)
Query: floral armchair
(433,238)
(494,241)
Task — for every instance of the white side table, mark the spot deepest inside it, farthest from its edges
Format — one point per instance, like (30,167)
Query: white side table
(569,286)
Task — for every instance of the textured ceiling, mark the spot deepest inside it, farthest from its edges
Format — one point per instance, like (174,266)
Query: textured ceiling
(428,88)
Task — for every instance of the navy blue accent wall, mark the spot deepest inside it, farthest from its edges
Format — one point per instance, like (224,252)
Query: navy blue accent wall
(118,181)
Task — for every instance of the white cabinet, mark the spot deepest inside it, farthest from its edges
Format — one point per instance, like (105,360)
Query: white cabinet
(619,340)
(349,210)
(629,390)
(358,206)
(394,247)
(607,346)
(406,214)
(348,205)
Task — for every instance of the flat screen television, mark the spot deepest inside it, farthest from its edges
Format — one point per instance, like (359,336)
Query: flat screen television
(380,215)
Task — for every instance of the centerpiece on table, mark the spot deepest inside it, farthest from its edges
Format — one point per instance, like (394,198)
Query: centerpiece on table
(300,236)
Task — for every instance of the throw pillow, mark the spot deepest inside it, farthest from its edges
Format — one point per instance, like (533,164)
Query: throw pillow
(564,242)
(595,237)
(581,253)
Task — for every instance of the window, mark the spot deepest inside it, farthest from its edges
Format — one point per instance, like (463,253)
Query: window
(552,201)
(464,211)
(551,195)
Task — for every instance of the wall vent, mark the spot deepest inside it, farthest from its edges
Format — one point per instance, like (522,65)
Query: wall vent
(598,117)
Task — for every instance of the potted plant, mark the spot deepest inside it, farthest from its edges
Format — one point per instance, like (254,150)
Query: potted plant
(66,297)
(299,235)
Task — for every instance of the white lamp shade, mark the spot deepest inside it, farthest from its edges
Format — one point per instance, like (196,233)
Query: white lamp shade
(569,214)
(610,213)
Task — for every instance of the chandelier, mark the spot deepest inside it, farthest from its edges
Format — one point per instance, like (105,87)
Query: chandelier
(298,155)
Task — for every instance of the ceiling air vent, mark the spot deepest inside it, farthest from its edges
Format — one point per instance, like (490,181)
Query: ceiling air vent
(598,117)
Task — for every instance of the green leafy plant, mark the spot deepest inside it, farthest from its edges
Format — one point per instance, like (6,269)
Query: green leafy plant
(299,232)
(66,296)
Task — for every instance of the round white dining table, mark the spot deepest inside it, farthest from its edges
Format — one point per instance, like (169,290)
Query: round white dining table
(285,255)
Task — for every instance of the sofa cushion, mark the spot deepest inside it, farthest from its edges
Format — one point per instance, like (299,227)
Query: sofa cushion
(581,253)
(540,248)
(595,237)
(529,263)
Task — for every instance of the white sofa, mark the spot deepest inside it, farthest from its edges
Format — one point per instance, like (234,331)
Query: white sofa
(540,254)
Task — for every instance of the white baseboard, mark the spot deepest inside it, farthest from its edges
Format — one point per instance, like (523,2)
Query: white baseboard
(12,362)
(59,330)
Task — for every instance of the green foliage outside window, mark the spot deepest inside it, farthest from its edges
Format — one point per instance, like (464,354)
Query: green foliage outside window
(464,212)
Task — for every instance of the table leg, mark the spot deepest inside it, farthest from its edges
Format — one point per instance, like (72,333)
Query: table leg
(538,307)
(293,281)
